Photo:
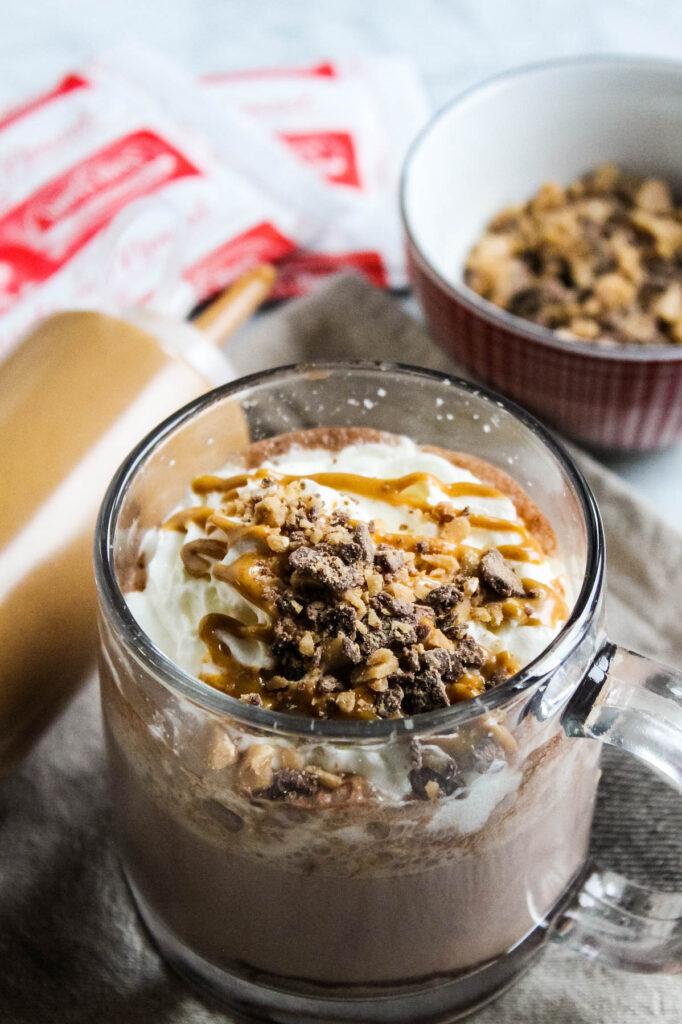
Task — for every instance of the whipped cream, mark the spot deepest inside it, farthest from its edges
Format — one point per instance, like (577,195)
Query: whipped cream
(173,603)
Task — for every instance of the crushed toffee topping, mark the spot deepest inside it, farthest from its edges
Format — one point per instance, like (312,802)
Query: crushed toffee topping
(357,622)
(597,261)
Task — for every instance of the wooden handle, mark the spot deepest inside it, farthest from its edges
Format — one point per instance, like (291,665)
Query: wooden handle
(230,309)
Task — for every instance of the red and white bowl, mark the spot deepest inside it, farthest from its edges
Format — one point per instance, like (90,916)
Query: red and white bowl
(494,146)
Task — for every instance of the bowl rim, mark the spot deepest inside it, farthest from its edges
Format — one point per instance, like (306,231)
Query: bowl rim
(466,296)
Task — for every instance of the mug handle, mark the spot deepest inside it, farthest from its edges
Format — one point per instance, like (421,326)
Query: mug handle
(634,703)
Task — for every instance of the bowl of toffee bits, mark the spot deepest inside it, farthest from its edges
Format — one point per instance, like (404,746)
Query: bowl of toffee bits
(543,215)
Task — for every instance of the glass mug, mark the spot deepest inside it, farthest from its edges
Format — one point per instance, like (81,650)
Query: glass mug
(385,909)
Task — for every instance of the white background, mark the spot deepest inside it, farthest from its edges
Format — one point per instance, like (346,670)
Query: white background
(455,42)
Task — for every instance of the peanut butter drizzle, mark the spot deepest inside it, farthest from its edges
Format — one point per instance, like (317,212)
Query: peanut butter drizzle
(409,490)
(219,622)
(531,554)
(235,532)
(504,662)
(252,576)
(199,514)
(235,679)
(548,609)
(209,484)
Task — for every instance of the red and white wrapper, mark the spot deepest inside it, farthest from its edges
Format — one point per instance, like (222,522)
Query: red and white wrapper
(126,184)
(352,121)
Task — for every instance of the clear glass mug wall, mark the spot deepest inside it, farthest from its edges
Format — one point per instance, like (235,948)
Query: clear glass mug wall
(390,907)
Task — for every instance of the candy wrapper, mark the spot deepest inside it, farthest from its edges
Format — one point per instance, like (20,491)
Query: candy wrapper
(352,121)
(126,184)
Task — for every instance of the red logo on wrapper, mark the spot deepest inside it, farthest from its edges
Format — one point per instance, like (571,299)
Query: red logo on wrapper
(41,234)
(63,88)
(323,70)
(333,153)
(299,273)
(262,244)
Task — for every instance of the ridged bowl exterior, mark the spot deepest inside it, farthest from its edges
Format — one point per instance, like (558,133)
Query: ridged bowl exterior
(599,400)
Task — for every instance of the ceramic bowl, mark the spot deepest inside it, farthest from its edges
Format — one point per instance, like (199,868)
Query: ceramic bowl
(494,146)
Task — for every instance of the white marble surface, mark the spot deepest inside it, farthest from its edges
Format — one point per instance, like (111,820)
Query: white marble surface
(455,42)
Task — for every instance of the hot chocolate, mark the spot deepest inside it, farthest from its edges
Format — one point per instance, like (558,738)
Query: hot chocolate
(343,576)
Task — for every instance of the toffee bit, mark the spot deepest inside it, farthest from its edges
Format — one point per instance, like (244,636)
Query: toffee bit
(252,698)
(588,261)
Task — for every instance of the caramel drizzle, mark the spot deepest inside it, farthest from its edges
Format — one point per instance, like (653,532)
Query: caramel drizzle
(252,576)
(198,514)
(235,678)
(549,608)
(409,490)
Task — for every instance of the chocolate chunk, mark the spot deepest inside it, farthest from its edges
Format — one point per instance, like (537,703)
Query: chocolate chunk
(349,552)
(401,631)
(350,651)
(388,703)
(469,653)
(425,692)
(448,781)
(386,604)
(527,302)
(319,567)
(339,618)
(438,660)
(495,679)
(499,576)
(373,639)
(363,539)
(442,598)
(409,660)
(289,604)
(339,518)
(292,782)
(450,626)
(423,630)
(388,560)
(290,662)
(360,549)
(329,684)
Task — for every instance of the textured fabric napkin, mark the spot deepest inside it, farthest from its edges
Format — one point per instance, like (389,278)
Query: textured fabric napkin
(71,948)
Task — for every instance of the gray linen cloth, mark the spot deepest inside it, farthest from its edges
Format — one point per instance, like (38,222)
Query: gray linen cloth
(72,950)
